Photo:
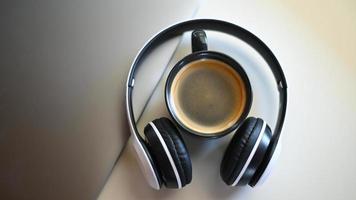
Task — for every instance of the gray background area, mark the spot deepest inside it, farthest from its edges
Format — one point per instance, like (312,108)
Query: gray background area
(62,72)
(62,122)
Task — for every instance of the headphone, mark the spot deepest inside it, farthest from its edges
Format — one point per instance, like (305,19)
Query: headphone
(248,159)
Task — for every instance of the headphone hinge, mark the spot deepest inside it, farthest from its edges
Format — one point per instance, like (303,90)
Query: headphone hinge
(281,85)
(132,83)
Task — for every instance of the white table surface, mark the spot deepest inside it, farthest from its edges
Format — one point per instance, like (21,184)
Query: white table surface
(315,44)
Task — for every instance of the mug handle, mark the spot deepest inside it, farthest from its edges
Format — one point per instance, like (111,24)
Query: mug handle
(199,41)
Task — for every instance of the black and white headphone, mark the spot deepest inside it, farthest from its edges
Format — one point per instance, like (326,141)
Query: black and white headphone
(162,155)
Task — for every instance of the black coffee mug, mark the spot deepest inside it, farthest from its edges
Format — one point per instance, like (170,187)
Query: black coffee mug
(207,93)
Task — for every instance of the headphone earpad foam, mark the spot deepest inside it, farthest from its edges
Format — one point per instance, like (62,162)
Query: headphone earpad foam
(177,150)
(239,149)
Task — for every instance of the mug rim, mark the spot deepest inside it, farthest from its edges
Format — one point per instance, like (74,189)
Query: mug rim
(207,54)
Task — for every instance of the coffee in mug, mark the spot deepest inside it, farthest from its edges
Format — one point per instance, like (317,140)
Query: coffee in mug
(207,93)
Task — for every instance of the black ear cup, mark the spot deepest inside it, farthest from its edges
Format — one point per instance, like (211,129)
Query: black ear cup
(169,153)
(245,152)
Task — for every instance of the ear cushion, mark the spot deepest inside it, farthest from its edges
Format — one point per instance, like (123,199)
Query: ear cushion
(239,149)
(177,150)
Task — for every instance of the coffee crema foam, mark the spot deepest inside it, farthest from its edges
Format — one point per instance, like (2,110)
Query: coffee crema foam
(208,96)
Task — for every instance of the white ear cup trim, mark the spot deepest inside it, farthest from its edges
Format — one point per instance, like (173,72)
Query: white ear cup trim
(144,162)
(254,149)
(167,153)
(272,163)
